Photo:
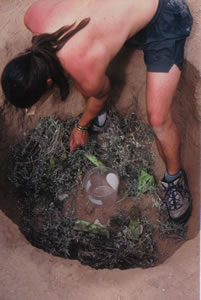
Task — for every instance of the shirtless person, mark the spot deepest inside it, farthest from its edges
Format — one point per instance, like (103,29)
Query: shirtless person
(84,50)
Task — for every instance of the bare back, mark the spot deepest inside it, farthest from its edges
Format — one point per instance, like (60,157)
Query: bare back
(111,24)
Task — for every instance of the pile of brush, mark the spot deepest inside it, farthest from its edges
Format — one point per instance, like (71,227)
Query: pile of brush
(47,176)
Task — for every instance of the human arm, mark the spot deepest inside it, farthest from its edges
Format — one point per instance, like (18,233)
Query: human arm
(96,93)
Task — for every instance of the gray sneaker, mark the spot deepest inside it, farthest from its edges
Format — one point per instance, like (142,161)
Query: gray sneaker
(177,198)
(98,124)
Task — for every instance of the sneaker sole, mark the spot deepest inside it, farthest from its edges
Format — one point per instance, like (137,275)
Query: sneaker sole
(184,218)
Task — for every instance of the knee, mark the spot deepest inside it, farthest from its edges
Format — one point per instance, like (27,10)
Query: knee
(158,121)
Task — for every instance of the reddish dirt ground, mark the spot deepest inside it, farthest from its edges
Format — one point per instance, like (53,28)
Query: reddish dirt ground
(30,273)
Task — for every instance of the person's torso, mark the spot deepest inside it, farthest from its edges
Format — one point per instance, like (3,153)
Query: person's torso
(111,23)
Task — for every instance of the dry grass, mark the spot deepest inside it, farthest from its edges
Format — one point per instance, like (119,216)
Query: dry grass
(47,175)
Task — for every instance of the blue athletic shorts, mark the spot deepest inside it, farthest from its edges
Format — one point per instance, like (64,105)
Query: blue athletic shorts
(163,39)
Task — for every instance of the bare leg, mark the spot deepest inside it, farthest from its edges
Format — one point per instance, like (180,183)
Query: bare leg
(161,88)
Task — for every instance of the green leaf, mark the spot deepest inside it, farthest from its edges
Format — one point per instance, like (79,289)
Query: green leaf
(134,227)
(94,160)
(85,226)
(146,182)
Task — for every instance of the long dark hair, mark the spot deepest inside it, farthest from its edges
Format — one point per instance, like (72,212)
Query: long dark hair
(24,79)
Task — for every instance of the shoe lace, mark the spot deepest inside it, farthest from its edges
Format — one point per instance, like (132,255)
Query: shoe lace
(172,195)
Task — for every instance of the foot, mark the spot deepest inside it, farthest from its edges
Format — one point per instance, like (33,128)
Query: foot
(177,198)
(98,124)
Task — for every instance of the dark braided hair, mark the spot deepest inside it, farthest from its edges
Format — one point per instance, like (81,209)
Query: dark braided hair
(24,79)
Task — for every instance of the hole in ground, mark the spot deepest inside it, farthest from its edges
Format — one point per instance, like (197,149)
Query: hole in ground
(190,146)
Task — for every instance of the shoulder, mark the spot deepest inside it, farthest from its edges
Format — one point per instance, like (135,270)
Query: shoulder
(86,64)
(29,18)
(35,17)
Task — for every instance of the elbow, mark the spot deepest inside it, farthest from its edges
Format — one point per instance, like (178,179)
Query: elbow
(99,90)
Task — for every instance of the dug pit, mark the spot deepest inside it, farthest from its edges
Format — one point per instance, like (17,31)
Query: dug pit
(43,275)
(54,213)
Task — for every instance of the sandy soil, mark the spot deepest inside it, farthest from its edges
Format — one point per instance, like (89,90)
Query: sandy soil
(29,273)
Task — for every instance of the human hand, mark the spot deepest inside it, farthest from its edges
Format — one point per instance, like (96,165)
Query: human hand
(78,138)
